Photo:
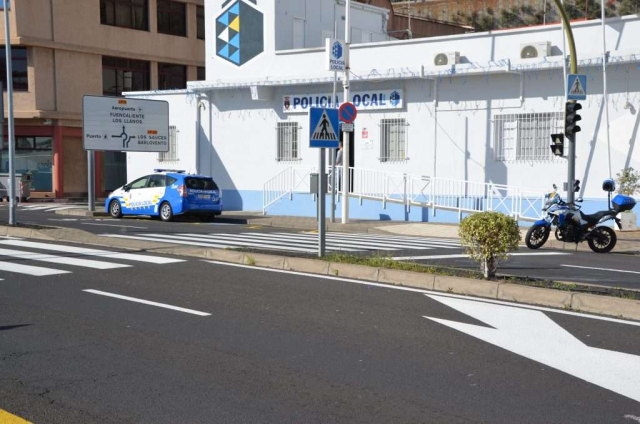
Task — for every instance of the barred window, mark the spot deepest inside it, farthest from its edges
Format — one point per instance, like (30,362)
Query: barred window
(393,140)
(172,154)
(287,141)
(525,136)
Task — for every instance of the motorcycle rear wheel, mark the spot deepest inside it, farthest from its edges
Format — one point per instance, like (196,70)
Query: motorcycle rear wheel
(537,236)
(604,240)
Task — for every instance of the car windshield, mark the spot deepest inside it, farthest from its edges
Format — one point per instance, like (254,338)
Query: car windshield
(201,184)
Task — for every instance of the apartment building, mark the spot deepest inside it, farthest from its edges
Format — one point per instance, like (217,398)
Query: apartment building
(64,49)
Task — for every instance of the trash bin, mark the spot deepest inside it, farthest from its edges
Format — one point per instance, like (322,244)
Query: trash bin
(23,186)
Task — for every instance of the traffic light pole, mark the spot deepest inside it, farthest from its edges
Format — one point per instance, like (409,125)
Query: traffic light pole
(571,138)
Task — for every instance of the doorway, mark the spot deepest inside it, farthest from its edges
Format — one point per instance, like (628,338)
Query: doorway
(352,154)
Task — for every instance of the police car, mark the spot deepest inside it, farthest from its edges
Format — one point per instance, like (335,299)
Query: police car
(165,194)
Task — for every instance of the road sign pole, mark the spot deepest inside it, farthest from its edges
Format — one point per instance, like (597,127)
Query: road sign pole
(332,160)
(91,180)
(345,135)
(11,141)
(322,209)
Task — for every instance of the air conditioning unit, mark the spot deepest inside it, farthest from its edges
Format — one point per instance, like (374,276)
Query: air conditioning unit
(535,50)
(446,59)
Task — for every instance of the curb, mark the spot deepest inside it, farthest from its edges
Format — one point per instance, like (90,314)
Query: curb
(604,305)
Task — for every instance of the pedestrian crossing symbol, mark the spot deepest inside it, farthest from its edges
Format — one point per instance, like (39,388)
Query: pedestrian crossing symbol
(577,87)
(323,128)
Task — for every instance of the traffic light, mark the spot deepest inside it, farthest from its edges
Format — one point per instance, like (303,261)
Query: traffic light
(576,186)
(571,118)
(557,144)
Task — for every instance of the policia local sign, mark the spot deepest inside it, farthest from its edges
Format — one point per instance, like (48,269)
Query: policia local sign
(363,100)
(131,125)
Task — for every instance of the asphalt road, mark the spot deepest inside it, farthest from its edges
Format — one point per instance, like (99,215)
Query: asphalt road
(280,347)
(608,270)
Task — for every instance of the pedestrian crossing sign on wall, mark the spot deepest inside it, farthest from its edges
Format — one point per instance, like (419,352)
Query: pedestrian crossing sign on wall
(323,128)
(576,87)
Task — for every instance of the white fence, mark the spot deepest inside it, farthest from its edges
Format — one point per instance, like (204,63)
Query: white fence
(421,191)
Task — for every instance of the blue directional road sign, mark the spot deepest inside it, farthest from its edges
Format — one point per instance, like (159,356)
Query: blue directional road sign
(576,87)
(323,128)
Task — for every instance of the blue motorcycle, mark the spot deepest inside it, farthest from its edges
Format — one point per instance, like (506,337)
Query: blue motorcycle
(574,226)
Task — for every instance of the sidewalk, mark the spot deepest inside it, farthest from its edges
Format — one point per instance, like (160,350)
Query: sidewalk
(627,241)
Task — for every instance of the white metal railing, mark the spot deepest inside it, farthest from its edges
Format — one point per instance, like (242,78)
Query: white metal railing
(447,194)
(293,179)
(417,190)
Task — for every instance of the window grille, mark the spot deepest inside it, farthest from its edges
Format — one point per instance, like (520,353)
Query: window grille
(172,154)
(526,136)
(288,141)
(393,140)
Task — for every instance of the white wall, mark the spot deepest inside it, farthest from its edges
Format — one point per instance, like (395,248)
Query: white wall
(317,17)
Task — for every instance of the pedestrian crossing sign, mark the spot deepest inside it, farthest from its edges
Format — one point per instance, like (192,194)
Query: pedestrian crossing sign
(323,128)
(576,87)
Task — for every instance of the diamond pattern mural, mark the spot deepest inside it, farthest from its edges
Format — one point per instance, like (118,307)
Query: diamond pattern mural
(239,31)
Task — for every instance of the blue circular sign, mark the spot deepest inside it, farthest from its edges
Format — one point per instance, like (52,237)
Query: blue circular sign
(348,112)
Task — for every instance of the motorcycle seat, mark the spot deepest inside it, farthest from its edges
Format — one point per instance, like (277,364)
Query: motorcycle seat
(596,217)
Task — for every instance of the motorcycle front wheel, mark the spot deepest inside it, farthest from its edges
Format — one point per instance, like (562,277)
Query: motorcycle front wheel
(603,240)
(537,236)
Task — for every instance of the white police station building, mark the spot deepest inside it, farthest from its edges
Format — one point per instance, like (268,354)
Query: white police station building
(431,140)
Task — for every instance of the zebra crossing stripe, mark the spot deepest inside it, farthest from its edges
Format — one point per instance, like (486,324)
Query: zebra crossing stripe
(36,271)
(412,241)
(399,237)
(232,243)
(380,242)
(363,241)
(90,252)
(312,242)
(36,208)
(300,238)
(87,263)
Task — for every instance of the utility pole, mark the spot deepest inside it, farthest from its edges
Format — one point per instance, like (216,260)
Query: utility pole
(11,139)
(332,152)
(571,138)
(345,134)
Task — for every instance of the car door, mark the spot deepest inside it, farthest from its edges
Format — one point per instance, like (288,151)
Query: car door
(134,197)
(155,192)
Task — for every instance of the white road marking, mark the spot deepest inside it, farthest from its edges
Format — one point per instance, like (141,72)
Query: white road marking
(334,241)
(160,240)
(413,241)
(61,208)
(35,207)
(397,237)
(537,337)
(416,258)
(632,417)
(63,219)
(428,292)
(118,226)
(86,263)
(313,241)
(225,241)
(36,271)
(602,269)
(91,252)
(147,302)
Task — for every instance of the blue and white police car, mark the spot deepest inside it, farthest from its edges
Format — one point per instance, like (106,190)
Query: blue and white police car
(165,194)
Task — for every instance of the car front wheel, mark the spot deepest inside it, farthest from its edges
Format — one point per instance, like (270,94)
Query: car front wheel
(115,210)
